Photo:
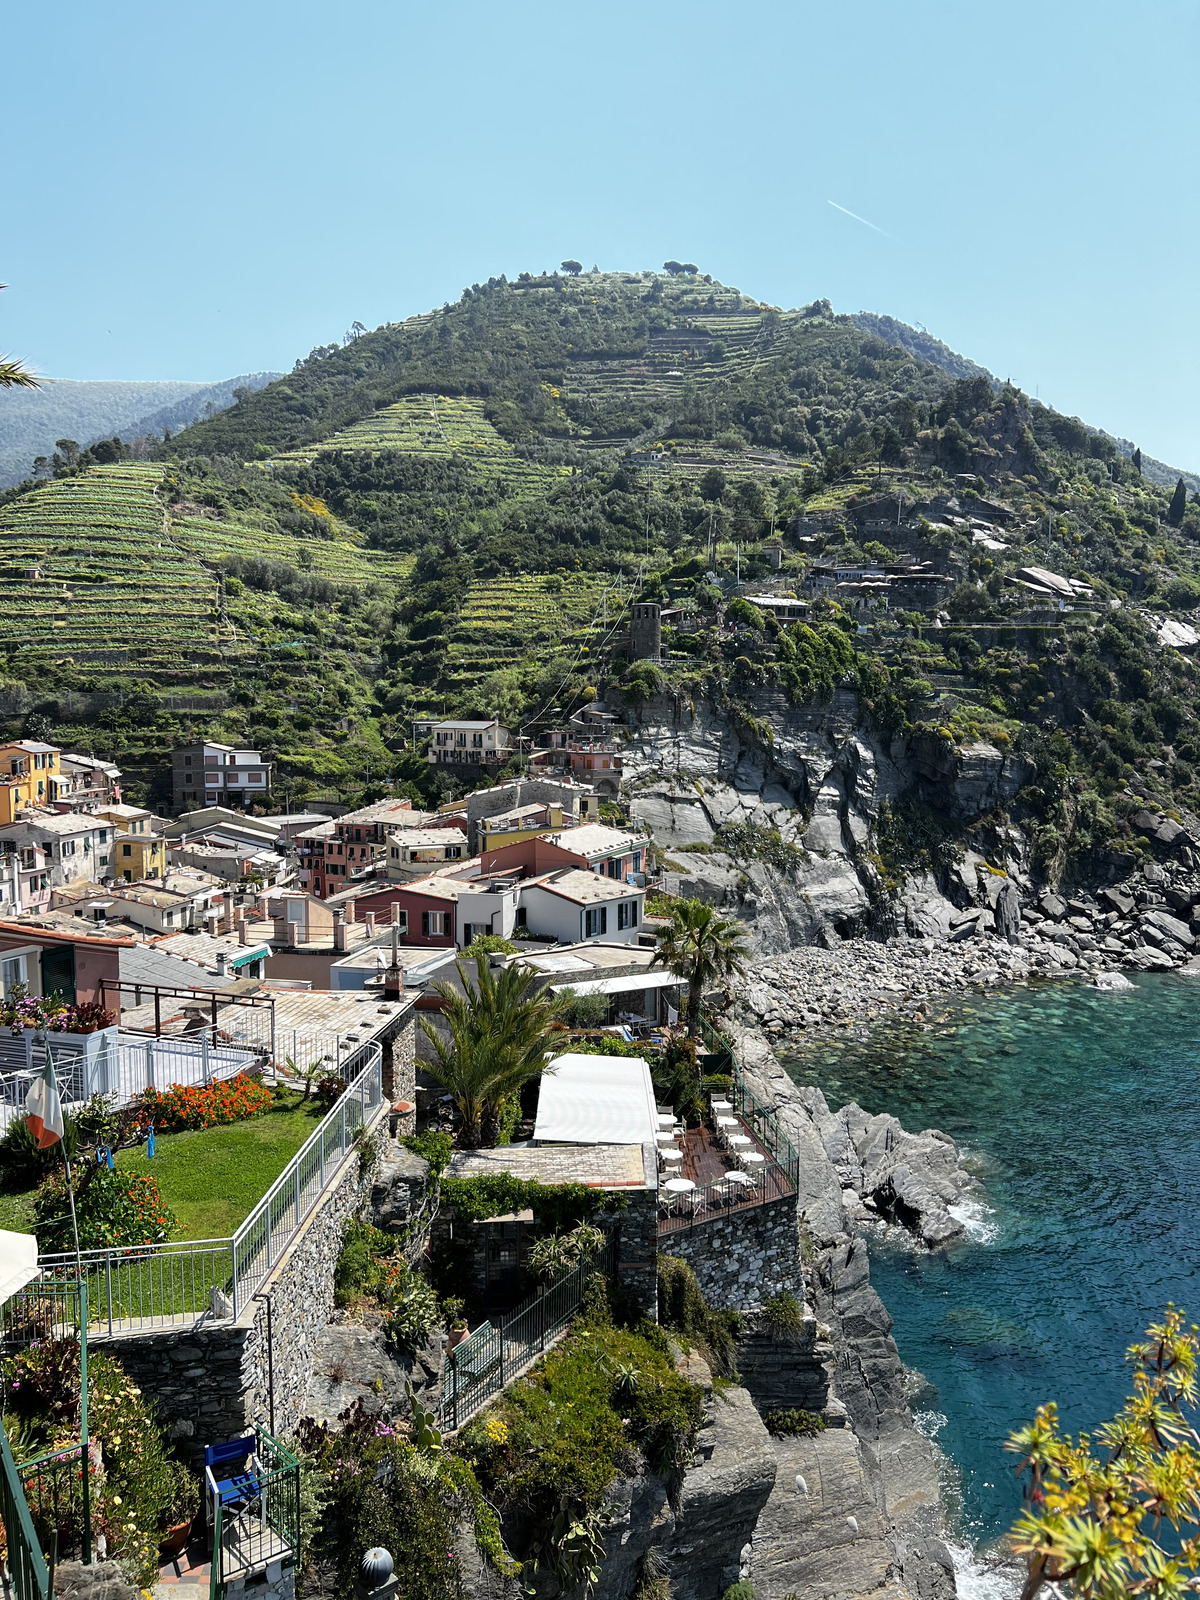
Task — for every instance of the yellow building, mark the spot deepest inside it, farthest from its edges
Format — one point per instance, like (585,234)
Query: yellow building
(522,822)
(136,852)
(29,776)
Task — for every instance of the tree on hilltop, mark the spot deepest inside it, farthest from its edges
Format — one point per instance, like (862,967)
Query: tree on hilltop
(573,267)
(673,267)
(690,268)
(1136,458)
(1178,504)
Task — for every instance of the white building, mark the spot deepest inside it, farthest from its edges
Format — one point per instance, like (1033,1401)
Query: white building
(574,906)
(469,743)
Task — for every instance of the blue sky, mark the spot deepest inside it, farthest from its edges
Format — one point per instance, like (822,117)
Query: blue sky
(194,192)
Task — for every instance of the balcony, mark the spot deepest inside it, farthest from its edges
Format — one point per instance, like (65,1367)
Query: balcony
(743,1161)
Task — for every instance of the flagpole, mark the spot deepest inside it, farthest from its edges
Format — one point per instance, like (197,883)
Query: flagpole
(71,1198)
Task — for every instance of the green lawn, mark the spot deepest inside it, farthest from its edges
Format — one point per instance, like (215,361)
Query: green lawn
(213,1178)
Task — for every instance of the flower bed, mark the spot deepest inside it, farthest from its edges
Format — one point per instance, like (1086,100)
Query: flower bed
(185,1106)
(114,1210)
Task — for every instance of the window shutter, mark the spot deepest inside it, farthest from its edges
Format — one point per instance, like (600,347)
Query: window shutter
(603,919)
(425,922)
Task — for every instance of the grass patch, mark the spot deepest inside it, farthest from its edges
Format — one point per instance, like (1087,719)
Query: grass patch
(212,1178)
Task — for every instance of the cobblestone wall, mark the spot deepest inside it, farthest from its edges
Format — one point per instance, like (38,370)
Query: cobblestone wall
(212,1382)
(637,1263)
(743,1258)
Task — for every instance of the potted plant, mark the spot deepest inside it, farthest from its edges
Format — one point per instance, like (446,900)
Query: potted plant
(185,1502)
(456,1323)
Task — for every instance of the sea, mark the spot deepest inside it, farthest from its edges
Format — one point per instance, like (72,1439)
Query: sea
(1078,1113)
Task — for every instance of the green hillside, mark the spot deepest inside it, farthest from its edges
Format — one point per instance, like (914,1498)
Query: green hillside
(452,514)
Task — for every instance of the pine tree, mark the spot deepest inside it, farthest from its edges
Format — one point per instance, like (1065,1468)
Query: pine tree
(1137,462)
(1178,504)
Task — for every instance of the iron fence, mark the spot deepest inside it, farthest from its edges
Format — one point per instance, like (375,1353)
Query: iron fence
(262,1528)
(721,1198)
(492,1357)
(154,1285)
(28,1574)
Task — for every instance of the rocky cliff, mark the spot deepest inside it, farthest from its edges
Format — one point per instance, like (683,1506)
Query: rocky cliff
(802,786)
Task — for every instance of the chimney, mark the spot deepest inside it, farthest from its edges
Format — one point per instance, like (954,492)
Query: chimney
(279,931)
(293,933)
(339,931)
(393,977)
(222,964)
(227,916)
(243,938)
(395,914)
(369,924)
(349,910)
(211,919)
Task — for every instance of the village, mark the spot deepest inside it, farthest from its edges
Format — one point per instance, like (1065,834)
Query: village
(231,960)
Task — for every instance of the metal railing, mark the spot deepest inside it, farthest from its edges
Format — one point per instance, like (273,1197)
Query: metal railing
(721,1198)
(492,1357)
(153,1285)
(28,1575)
(264,1528)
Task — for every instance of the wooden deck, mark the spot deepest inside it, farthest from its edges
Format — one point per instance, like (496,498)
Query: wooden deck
(705,1162)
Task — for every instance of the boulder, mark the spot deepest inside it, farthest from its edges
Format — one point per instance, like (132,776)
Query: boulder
(1169,926)
(1117,900)
(1052,905)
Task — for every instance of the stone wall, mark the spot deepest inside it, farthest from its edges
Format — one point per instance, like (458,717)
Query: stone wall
(212,1382)
(637,1250)
(743,1258)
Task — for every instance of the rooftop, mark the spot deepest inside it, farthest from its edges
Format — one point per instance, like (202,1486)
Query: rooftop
(202,949)
(425,838)
(584,888)
(599,1166)
(380,811)
(593,838)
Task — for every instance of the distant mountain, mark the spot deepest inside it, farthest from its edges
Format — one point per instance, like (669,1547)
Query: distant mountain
(31,420)
(198,405)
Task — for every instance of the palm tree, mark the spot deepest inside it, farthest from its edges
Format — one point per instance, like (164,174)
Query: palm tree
(702,947)
(499,1037)
(12,374)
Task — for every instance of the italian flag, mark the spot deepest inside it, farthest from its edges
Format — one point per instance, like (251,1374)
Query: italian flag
(43,1109)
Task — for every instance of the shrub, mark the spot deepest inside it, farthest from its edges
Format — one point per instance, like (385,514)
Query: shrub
(112,1208)
(206,1106)
(330,1090)
(682,1307)
(435,1148)
(793,1422)
(142,1488)
(784,1314)
(556,1253)
(22,1164)
(744,1590)
(411,1302)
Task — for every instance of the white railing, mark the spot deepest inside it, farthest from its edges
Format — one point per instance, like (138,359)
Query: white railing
(119,1066)
(210,1279)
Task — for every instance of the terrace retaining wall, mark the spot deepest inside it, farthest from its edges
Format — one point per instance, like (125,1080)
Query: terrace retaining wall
(743,1258)
(211,1382)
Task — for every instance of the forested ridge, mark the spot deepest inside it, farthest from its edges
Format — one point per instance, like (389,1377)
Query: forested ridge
(450,514)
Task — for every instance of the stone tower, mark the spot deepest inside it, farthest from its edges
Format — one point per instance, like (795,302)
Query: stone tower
(645,632)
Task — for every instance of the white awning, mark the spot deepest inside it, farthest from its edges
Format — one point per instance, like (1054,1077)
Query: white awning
(596,1100)
(18,1263)
(628,983)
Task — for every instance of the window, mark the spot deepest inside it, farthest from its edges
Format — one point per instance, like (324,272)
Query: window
(187,761)
(637,860)
(596,922)
(126,850)
(627,914)
(400,920)
(477,742)
(434,922)
(103,861)
(614,867)
(12,971)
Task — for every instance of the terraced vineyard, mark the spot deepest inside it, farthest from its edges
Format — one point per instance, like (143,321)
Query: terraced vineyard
(91,565)
(441,426)
(342,560)
(509,622)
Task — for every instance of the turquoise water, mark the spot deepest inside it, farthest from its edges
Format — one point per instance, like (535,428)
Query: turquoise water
(1078,1111)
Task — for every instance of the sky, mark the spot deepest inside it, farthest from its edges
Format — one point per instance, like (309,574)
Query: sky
(199,192)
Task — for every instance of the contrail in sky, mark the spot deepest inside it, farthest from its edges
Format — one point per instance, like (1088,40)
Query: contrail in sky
(857,218)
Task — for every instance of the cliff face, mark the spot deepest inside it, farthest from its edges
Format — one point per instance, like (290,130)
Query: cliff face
(818,782)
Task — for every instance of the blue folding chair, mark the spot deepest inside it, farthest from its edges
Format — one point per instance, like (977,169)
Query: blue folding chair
(237,1458)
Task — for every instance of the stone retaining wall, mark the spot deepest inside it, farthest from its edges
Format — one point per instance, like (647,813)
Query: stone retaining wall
(743,1258)
(211,1382)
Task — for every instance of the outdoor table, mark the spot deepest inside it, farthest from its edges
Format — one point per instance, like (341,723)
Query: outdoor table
(721,1105)
(666,1119)
(664,1137)
(726,1122)
(739,1140)
(740,1178)
(752,1157)
(679,1185)
(670,1155)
